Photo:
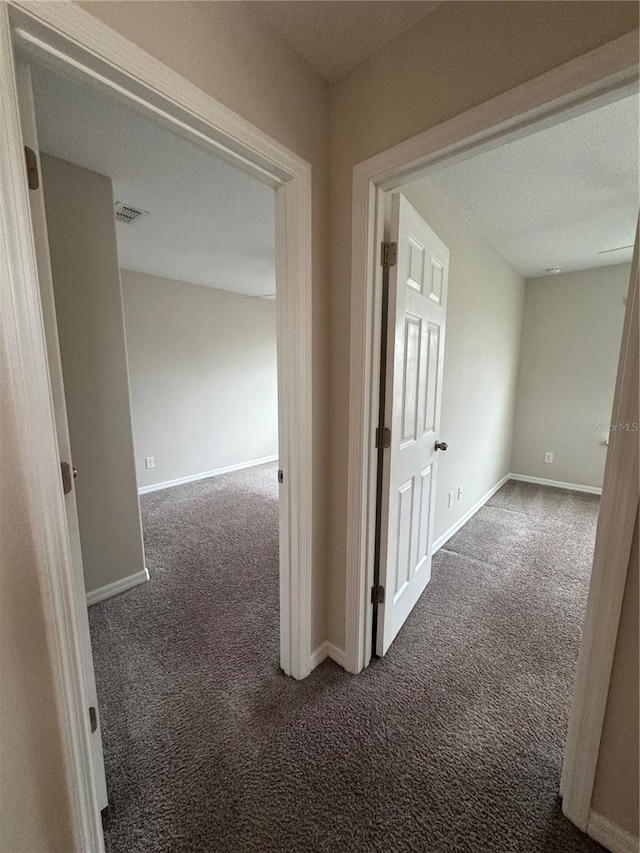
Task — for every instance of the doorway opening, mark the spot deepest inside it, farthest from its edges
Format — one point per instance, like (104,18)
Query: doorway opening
(522,387)
(161,332)
(165,98)
(457,142)
(160,316)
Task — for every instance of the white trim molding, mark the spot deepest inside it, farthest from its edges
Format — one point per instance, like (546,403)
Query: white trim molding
(603,75)
(327,650)
(115,588)
(64,36)
(460,523)
(24,350)
(556,484)
(614,536)
(610,835)
(192,478)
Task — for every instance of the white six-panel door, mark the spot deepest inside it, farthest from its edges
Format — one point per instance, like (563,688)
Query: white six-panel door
(414,366)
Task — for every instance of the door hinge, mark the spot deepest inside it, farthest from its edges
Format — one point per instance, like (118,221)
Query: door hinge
(32,168)
(383,437)
(280,475)
(67,477)
(377,594)
(389,255)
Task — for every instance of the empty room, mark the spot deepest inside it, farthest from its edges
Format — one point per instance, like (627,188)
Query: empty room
(164,288)
(505,303)
(504,289)
(319,366)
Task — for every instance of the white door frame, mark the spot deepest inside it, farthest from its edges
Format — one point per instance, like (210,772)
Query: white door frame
(598,77)
(616,522)
(73,41)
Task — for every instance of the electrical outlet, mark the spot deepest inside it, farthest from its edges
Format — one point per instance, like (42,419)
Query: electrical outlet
(548,456)
(459,493)
(149,461)
(452,497)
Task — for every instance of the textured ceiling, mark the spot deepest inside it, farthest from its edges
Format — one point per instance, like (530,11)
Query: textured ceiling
(209,223)
(563,197)
(559,197)
(335,35)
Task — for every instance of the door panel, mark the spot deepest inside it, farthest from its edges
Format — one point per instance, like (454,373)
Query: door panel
(45,281)
(431,395)
(411,378)
(414,359)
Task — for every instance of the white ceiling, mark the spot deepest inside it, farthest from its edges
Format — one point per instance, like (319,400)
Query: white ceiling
(335,35)
(559,197)
(209,223)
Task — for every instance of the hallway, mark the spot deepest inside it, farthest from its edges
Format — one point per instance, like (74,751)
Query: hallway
(453,742)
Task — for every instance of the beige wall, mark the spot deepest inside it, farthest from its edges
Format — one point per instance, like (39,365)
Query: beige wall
(570,348)
(86,282)
(34,809)
(421,80)
(461,55)
(202,369)
(616,794)
(482,345)
(228,52)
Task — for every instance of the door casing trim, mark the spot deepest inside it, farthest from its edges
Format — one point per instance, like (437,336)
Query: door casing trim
(601,76)
(66,37)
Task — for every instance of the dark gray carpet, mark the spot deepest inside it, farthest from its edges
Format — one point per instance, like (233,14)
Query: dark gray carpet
(453,742)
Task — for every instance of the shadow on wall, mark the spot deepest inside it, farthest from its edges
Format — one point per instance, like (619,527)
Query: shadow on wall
(571,333)
(203,373)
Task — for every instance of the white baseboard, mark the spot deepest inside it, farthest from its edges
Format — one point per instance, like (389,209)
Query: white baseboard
(156,487)
(327,650)
(336,654)
(610,835)
(440,541)
(556,484)
(117,587)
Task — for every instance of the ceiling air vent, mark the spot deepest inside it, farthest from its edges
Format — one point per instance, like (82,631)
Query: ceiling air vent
(127,213)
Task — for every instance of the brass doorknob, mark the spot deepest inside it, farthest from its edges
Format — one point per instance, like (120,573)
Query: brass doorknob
(441,445)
